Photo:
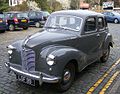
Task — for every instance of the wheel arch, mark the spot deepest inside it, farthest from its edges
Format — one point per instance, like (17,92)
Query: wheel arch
(110,44)
(75,63)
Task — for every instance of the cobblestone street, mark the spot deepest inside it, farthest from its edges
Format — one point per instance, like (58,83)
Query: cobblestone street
(84,81)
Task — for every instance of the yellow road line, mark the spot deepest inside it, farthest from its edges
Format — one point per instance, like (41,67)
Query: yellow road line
(100,80)
(109,82)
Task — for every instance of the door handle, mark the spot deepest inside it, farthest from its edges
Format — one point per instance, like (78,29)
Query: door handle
(98,35)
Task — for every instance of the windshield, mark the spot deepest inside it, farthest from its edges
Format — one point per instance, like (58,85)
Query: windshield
(25,15)
(116,13)
(64,21)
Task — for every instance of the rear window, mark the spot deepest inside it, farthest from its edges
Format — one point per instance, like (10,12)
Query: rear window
(1,16)
(20,15)
(40,14)
(46,14)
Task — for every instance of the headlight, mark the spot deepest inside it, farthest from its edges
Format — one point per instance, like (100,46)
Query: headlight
(50,63)
(50,60)
(10,52)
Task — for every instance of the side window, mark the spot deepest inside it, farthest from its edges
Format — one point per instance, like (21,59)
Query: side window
(100,23)
(90,25)
(32,14)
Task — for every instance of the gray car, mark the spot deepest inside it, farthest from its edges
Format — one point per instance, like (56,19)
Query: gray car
(69,41)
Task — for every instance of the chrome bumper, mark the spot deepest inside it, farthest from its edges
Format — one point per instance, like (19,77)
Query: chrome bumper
(41,77)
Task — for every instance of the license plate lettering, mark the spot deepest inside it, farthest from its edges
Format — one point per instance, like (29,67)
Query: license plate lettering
(23,20)
(26,80)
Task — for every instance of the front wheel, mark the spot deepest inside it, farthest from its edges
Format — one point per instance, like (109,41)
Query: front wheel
(11,27)
(67,78)
(116,21)
(105,56)
(37,24)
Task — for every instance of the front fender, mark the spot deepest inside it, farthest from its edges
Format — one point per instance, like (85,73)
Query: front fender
(108,41)
(63,55)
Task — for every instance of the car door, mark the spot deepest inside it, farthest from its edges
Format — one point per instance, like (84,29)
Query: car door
(102,30)
(89,42)
(110,16)
(32,18)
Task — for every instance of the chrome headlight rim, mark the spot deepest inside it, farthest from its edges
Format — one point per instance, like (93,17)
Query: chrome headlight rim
(10,51)
(11,47)
(50,60)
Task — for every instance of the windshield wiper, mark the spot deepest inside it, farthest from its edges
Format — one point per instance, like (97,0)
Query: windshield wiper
(65,28)
(57,26)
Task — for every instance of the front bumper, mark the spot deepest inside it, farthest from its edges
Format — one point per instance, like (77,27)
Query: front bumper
(21,25)
(39,76)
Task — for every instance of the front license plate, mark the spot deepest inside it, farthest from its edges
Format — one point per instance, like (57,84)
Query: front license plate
(23,20)
(25,80)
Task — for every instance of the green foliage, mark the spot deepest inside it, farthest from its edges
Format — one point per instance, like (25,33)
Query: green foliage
(74,4)
(21,7)
(42,4)
(54,5)
(4,5)
(49,5)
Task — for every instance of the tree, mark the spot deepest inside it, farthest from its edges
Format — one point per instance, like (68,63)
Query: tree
(4,5)
(42,4)
(75,4)
(21,7)
(54,5)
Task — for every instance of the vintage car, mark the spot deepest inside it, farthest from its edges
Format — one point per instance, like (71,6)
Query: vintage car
(69,41)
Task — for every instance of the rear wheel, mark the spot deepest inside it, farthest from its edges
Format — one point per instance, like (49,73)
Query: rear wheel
(67,78)
(37,24)
(105,56)
(11,27)
(116,21)
(2,31)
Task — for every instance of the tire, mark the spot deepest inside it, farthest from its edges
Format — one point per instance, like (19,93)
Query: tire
(37,24)
(105,56)
(116,21)
(25,28)
(67,78)
(2,31)
(11,27)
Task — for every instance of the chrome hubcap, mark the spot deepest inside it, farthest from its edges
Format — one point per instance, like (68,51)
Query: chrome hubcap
(116,21)
(11,27)
(67,76)
(37,25)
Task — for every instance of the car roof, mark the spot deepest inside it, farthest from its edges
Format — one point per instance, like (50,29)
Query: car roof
(80,13)
(15,12)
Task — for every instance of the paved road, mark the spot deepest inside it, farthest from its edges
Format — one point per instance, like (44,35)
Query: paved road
(97,78)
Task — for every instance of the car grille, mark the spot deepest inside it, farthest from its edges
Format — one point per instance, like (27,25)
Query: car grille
(28,59)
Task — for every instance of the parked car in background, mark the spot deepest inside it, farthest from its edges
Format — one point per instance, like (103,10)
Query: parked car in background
(112,17)
(17,20)
(69,41)
(37,18)
(46,14)
(3,24)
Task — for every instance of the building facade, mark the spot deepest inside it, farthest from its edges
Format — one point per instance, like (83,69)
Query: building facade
(15,2)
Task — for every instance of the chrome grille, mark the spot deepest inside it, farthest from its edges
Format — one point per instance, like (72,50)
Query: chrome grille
(28,59)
